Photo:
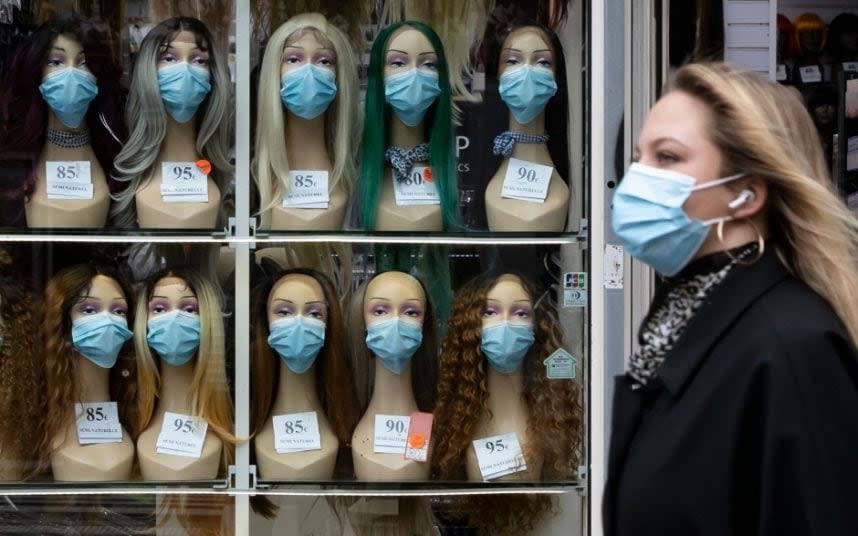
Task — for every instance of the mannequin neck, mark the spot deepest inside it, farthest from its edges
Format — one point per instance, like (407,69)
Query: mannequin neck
(305,142)
(392,393)
(93,381)
(296,392)
(401,135)
(505,390)
(532,152)
(180,141)
(175,392)
(55,152)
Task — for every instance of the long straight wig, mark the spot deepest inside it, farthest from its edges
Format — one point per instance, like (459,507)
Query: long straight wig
(24,113)
(271,164)
(439,129)
(209,394)
(136,161)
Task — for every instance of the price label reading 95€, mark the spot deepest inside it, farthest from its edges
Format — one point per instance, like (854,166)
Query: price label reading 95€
(526,181)
(181,435)
(183,182)
(499,455)
(391,434)
(68,179)
(98,422)
(418,188)
(307,189)
(296,432)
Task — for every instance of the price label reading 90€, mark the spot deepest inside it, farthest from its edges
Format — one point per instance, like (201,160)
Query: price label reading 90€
(526,181)
(391,434)
(296,432)
(181,435)
(499,455)
(307,189)
(68,179)
(98,422)
(183,182)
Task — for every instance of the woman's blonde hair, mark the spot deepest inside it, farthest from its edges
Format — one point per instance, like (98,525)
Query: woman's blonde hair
(209,395)
(763,130)
(271,163)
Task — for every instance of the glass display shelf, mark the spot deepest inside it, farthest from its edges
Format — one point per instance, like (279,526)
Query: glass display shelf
(413,488)
(116,487)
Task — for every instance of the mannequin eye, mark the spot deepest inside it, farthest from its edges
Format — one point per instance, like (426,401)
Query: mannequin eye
(521,313)
(158,306)
(429,62)
(543,62)
(55,61)
(168,57)
(666,158)
(119,311)
(200,60)
(89,308)
(316,312)
(413,312)
(292,59)
(326,61)
(190,306)
(379,310)
(490,311)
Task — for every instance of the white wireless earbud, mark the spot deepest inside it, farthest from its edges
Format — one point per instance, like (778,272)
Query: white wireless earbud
(745,196)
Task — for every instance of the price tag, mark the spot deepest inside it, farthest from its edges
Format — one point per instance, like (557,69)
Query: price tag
(850,66)
(526,181)
(781,74)
(183,182)
(391,434)
(499,455)
(98,423)
(419,434)
(810,74)
(560,365)
(307,189)
(68,179)
(181,435)
(418,189)
(296,432)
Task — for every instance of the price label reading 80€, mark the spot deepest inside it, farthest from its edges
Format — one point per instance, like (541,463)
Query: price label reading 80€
(68,179)
(499,455)
(418,188)
(296,432)
(183,182)
(181,435)
(526,181)
(391,434)
(97,422)
(307,189)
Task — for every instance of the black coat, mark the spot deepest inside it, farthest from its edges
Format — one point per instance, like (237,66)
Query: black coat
(752,426)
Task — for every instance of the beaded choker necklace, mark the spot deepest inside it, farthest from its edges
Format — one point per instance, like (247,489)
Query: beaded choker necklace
(67,139)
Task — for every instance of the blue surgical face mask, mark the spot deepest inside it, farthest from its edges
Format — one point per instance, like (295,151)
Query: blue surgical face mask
(183,88)
(298,340)
(308,91)
(506,344)
(394,342)
(650,222)
(411,93)
(68,92)
(175,336)
(100,337)
(526,90)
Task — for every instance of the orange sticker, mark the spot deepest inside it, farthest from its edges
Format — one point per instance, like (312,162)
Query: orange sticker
(205,166)
(416,441)
(427,174)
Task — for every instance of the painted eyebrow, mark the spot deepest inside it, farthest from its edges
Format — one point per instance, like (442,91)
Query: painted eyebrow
(302,48)
(293,303)
(404,52)
(388,299)
(167,297)
(514,301)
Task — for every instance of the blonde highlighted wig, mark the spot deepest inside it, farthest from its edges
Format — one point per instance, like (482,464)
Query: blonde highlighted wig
(271,163)
(208,394)
(762,129)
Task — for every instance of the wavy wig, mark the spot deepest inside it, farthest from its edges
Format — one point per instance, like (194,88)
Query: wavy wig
(136,161)
(24,113)
(208,394)
(59,357)
(271,163)
(424,363)
(438,125)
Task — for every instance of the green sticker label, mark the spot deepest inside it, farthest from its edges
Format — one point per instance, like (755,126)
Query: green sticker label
(561,365)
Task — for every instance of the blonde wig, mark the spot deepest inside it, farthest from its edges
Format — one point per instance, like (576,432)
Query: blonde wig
(763,130)
(59,357)
(209,394)
(350,16)
(147,118)
(271,163)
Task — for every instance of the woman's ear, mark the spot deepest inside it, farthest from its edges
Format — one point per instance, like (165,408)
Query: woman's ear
(751,199)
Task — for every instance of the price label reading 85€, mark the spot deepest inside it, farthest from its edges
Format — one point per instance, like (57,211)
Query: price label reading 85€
(68,179)
(296,432)
(391,434)
(183,182)
(526,181)
(181,435)
(499,455)
(97,422)
(417,189)
(307,189)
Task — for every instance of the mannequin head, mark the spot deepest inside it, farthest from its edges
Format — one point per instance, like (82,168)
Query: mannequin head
(786,39)
(554,406)
(843,42)
(527,42)
(24,114)
(310,294)
(424,48)
(304,39)
(181,288)
(71,294)
(175,40)
(391,296)
(810,35)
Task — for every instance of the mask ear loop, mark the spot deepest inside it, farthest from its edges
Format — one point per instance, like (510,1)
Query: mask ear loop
(761,244)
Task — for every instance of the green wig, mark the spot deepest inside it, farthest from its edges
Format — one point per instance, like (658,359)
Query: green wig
(438,121)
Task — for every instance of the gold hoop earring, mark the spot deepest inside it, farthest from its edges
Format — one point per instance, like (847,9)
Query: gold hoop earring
(761,244)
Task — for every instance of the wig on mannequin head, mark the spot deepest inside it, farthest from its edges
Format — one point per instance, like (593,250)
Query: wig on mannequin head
(59,357)
(842,24)
(146,113)
(810,22)
(438,125)
(271,164)
(786,27)
(557,109)
(424,363)
(208,393)
(350,16)
(24,113)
